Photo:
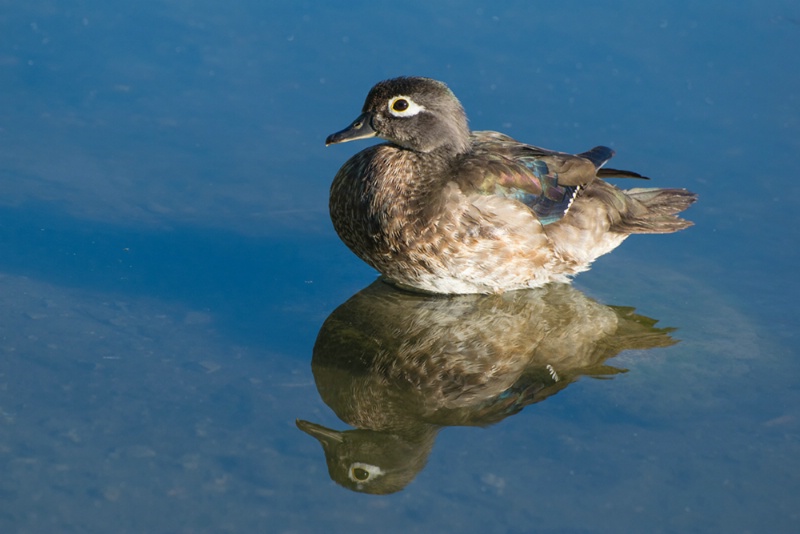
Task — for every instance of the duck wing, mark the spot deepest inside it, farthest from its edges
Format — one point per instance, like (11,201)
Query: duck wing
(544,180)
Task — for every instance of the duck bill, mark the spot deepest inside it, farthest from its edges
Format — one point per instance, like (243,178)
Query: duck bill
(361,128)
(323,435)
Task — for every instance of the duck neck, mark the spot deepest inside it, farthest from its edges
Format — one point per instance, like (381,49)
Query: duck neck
(434,168)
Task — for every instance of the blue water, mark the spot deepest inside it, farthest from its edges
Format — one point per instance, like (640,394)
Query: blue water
(167,262)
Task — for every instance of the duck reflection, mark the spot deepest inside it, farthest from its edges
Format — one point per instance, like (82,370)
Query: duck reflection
(399,366)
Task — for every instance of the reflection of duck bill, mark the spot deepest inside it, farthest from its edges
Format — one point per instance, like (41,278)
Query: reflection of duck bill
(322,434)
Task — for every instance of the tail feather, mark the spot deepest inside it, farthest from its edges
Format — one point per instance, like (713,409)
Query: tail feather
(619,173)
(654,211)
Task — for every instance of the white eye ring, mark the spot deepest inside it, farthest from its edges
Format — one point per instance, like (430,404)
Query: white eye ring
(373,471)
(412,107)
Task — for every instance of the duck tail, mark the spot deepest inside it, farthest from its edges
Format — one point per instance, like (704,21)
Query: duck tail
(619,173)
(654,211)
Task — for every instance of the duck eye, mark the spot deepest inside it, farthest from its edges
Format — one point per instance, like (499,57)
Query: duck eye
(360,474)
(401,104)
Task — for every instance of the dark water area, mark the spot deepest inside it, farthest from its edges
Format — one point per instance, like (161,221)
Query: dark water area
(186,345)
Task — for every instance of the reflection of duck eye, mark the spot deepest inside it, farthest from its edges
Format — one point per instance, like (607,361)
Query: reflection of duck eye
(401,104)
(360,472)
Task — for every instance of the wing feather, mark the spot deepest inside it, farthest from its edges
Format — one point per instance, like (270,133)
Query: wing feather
(544,180)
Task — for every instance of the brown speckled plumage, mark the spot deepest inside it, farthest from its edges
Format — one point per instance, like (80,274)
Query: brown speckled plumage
(441,209)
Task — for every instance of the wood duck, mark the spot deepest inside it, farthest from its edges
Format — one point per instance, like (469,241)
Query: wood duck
(441,209)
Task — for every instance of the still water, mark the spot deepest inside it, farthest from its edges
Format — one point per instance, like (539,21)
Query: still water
(186,346)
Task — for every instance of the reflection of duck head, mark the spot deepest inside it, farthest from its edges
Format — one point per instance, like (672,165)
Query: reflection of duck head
(371,461)
(398,366)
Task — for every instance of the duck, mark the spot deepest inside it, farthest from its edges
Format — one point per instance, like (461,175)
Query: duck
(438,208)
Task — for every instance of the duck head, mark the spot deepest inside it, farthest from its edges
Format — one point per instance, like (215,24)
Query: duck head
(418,114)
